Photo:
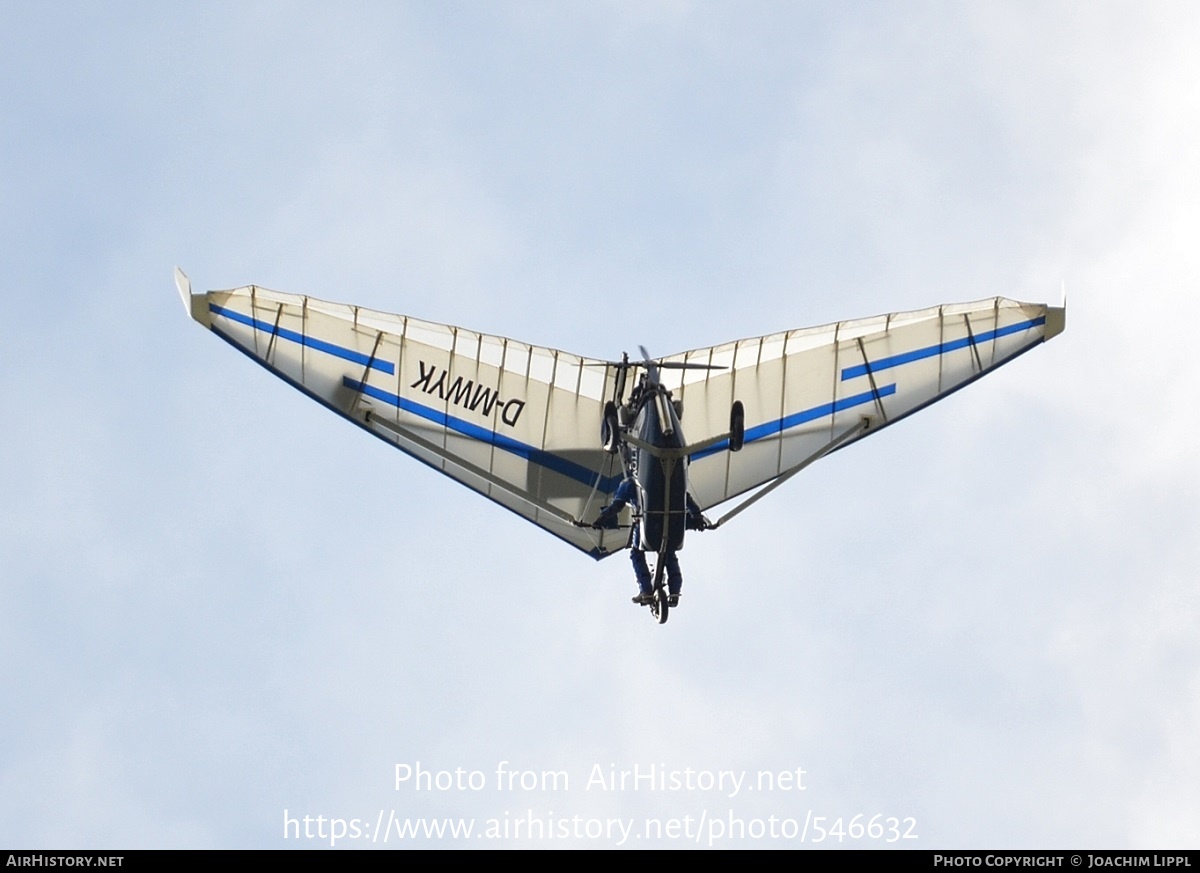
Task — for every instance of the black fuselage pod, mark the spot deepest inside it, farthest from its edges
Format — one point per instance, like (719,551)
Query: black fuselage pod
(661,478)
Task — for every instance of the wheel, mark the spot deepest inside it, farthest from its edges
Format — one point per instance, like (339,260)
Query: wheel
(737,426)
(658,607)
(610,429)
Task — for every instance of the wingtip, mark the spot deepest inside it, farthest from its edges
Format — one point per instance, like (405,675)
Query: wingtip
(184,285)
(193,304)
(1056,316)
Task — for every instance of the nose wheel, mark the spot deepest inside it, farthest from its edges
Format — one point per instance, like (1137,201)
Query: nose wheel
(659,607)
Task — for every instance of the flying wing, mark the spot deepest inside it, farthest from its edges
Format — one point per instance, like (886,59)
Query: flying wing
(515,422)
(811,391)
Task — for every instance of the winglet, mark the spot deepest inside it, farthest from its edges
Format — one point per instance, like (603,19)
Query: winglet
(1056,317)
(193,304)
(184,284)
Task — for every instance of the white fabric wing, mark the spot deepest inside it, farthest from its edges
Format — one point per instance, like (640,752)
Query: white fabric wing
(519,424)
(807,391)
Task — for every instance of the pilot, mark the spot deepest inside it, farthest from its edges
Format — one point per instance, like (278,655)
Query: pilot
(626,494)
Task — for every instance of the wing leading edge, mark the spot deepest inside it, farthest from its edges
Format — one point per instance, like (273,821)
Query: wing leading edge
(514,422)
(811,391)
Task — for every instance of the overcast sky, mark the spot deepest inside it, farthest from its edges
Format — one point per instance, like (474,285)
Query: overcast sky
(222,602)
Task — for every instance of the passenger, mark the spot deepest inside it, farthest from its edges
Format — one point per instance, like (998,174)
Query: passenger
(627,495)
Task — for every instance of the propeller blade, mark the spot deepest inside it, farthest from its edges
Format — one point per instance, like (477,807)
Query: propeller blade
(651,367)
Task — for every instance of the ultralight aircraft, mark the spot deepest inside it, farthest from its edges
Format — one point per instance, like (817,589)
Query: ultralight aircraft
(551,435)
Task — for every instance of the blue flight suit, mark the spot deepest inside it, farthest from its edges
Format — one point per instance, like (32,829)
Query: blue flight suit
(627,493)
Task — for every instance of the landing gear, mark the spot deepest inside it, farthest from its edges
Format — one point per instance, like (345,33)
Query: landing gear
(659,606)
(737,426)
(610,429)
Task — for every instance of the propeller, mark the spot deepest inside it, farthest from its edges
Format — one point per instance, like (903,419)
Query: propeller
(651,367)
(662,365)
